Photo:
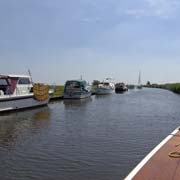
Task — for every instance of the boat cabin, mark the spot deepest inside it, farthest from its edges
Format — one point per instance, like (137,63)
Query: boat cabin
(15,85)
(75,85)
(106,83)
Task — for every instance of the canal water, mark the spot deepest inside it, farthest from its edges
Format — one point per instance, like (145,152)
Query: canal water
(101,138)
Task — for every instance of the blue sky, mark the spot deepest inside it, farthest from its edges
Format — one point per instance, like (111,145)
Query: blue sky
(63,39)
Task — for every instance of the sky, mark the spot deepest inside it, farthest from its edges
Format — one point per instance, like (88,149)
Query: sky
(59,40)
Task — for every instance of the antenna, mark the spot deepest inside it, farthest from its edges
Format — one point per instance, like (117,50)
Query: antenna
(139,79)
(29,72)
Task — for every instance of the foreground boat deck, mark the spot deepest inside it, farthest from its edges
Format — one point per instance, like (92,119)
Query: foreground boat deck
(157,165)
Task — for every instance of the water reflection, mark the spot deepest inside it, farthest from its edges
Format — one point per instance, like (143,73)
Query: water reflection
(17,124)
(121,92)
(42,115)
(76,102)
(104,96)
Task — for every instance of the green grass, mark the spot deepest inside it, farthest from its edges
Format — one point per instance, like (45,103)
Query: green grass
(174,87)
(58,91)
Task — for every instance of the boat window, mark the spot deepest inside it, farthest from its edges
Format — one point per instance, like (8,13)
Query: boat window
(24,81)
(68,83)
(73,84)
(76,85)
(3,82)
(106,84)
(4,86)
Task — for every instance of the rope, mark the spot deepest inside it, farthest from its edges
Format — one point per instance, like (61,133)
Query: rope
(174,154)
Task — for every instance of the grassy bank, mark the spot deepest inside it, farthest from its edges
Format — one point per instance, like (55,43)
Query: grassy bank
(174,87)
(58,91)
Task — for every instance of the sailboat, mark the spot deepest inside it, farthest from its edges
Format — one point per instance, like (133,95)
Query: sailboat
(139,86)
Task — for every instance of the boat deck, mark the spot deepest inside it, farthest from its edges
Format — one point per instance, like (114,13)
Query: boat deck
(158,165)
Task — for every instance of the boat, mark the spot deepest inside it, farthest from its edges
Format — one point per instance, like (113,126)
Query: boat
(120,88)
(139,86)
(105,87)
(162,163)
(76,89)
(18,92)
(131,86)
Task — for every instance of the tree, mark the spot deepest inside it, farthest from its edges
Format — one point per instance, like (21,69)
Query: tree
(96,82)
(148,83)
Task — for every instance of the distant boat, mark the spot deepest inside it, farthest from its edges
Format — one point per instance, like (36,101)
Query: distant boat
(120,87)
(139,86)
(130,86)
(76,89)
(18,92)
(107,86)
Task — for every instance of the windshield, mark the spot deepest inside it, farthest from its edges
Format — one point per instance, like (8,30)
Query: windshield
(3,82)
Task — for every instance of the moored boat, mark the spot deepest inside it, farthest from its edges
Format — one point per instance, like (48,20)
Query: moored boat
(76,89)
(130,86)
(18,92)
(120,88)
(139,87)
(162,163)
(105,87)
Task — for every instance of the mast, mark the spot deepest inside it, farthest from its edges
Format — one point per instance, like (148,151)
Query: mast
(29,72)
(139,79)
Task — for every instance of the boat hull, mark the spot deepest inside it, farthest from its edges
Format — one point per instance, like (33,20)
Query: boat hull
(103,91)
(20,102)
(77,96)
(120,89)
(139,87)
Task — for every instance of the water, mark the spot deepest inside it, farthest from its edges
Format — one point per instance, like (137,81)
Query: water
(101,138)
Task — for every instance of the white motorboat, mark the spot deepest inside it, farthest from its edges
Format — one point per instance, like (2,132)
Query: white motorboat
(105,87)
(76,89)
(18,92)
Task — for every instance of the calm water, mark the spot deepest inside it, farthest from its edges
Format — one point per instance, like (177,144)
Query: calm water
(101,138)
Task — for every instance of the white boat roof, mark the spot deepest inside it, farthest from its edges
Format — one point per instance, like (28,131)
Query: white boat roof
(108,80)
(13,75)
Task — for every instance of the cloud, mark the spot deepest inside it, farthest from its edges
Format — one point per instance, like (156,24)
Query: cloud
(90,20)
(136,12)
(155,8)
(164,8)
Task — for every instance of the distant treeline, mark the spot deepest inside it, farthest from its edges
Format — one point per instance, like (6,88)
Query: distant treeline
(174,87)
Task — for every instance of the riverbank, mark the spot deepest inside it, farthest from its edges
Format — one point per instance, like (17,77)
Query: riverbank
(174,87)
(58,91)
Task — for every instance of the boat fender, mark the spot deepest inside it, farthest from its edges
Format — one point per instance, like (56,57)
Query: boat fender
(41,92)
(1,93)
